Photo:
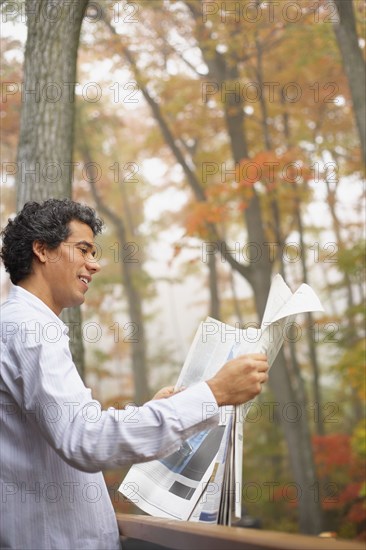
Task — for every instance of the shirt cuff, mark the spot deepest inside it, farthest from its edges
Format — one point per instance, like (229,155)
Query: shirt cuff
(195,405)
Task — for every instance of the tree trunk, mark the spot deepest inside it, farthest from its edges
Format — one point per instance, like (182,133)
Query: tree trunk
(131,274)
(310,319)
(47,116)
(354,65)
(331,201)
(213,286)
(236,302)
(309,316)
(352,331)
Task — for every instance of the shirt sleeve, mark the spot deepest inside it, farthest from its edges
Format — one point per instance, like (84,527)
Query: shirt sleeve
(43,380)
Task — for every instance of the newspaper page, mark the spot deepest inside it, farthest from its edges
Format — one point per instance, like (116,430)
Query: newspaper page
(208,506)
(170,487)
(178,486)
(217,500)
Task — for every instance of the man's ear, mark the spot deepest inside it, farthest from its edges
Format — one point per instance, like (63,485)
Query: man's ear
(40,251)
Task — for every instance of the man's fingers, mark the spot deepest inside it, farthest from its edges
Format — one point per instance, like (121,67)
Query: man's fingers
(260,365)
(264,377)
(263,366)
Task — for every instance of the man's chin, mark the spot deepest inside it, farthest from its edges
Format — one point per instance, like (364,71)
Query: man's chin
(76,302)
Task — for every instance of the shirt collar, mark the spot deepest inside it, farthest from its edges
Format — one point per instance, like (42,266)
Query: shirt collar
(19,293)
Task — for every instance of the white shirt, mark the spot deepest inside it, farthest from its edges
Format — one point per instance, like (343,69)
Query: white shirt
(55,439)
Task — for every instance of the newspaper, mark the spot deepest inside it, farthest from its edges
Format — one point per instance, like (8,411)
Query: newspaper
(202,480)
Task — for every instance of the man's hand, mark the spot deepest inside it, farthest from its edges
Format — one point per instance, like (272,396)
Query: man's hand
(240,379)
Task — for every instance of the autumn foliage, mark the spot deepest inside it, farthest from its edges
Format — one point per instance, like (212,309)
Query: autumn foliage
(344,501)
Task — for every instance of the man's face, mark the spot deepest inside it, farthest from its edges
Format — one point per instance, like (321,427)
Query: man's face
(69,268)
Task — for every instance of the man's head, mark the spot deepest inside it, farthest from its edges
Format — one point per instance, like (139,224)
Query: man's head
(50,244)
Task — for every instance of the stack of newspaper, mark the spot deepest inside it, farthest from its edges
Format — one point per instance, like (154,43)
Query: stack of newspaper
(202,480)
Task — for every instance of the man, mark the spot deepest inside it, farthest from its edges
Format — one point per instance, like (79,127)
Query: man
(55,439)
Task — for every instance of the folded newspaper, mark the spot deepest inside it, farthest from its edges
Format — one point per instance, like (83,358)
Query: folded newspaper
(202,480)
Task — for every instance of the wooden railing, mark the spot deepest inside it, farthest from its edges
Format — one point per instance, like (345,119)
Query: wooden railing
(183,535)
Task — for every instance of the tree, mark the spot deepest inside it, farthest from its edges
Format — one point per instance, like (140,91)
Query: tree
(131,272)
(223,68)
(354,64)
(44,162)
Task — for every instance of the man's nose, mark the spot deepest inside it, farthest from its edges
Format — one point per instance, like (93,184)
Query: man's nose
(93,265)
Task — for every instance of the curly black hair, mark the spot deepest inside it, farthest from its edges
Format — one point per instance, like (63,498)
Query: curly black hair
(47,222)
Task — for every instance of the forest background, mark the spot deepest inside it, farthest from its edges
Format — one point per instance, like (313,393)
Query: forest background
(222,142)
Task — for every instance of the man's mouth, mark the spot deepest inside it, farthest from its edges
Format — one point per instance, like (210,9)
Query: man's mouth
(85,280)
